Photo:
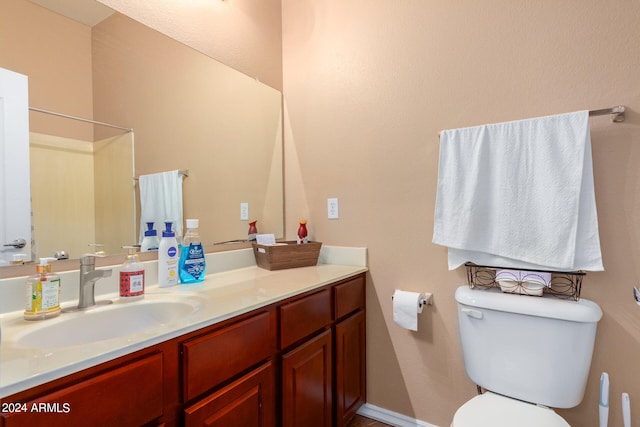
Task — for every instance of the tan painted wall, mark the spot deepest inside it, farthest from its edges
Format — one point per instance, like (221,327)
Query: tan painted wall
(204,104)
(243,34)
(367,86)
(55,52)
(189,112)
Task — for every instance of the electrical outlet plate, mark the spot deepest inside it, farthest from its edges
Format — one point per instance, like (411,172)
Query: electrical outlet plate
(332,208)
(244,211)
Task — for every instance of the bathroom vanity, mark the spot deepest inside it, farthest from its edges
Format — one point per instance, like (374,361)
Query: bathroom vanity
(262,349)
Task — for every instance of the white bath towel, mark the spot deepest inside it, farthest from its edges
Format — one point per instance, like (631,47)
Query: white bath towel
(160,201)
(519,194)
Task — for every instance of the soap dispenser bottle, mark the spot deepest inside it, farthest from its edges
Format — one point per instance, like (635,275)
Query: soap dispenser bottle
(42,293)
(192,265)
(168,258)
(150,241)
(131,275)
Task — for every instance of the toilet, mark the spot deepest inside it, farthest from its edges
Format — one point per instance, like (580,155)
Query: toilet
(530,354)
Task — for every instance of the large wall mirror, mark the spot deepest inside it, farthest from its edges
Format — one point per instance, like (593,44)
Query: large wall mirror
(188,112)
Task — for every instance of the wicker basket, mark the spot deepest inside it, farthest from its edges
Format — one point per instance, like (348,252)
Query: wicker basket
(288,255)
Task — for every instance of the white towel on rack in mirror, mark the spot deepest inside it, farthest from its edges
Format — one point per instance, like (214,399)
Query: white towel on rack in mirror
(160,201)
(519,194)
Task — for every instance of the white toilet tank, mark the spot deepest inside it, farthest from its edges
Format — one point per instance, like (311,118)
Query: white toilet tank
(536,349)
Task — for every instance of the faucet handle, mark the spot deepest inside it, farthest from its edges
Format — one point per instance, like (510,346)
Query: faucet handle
(89,259)
(98,249)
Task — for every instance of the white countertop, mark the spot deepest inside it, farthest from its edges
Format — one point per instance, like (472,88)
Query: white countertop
(221,296)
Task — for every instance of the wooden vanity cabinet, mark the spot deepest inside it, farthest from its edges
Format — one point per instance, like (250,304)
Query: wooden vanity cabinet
(324,363)
(213,359)
(349,349)
(298,362)
(128,395)
(305,337)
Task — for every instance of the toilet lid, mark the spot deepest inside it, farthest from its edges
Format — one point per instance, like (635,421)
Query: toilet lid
(492,410)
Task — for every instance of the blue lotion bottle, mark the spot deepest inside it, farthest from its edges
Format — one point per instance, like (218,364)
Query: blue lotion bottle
(192,266)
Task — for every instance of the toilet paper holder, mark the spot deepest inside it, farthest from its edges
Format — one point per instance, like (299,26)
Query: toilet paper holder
(427,299)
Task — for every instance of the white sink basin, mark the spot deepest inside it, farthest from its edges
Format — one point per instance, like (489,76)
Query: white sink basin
(107,322)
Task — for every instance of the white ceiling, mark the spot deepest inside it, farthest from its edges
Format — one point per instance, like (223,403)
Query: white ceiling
(89,12)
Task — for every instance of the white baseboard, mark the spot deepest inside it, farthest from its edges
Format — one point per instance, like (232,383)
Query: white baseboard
(393,418)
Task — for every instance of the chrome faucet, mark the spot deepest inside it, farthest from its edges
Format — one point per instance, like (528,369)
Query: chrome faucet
(88,277)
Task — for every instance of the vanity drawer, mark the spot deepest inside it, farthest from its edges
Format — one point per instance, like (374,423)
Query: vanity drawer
(349,297)
(217,356)
(130,395)
(304,316)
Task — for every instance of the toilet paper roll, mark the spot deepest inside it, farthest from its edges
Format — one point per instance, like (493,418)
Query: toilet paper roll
(406,307)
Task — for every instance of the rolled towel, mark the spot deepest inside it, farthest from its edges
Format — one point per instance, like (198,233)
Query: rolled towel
(521,276)
(523,282)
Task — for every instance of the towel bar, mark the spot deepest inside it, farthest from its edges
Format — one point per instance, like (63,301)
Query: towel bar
(183,172)
(616,114)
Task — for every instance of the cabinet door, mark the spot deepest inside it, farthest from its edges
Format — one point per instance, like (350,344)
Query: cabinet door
(350,367)
(247,402)
(127,396)
(306,384)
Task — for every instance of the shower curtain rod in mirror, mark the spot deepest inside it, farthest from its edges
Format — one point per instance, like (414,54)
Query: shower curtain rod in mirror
(53,113)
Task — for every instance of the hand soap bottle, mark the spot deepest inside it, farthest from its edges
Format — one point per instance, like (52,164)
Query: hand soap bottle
(42,293)
(168,258)
(131,276)
(192,265)
(150,241)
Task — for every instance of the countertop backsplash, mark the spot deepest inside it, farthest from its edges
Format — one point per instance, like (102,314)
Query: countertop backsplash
(12,290)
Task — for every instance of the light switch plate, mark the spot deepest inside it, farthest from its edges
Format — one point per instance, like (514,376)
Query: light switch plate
(244,211)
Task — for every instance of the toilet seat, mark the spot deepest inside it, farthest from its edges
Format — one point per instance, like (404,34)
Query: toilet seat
(492,410)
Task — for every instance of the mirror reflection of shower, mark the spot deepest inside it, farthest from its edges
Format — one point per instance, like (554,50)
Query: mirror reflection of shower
(82,192)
